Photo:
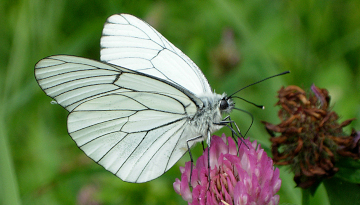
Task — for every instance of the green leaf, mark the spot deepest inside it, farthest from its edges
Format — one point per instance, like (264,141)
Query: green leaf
(340,191)
(349,170)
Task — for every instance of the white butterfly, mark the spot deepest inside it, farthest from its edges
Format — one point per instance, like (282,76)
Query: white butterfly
(136,112)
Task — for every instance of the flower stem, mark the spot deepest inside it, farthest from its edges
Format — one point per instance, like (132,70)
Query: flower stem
(305,196)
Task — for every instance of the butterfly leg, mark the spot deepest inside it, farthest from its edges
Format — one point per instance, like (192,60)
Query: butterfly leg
(230,122)
(237,132)
(191,158)
(252,119)
(241,138)
(209,167)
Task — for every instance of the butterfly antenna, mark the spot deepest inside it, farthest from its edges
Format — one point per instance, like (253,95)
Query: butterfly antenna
(258,106)
(283,73)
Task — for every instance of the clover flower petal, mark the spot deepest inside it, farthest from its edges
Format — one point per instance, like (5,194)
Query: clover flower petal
(238,176)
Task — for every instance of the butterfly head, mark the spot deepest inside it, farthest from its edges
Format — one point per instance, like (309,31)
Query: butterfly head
(226,104)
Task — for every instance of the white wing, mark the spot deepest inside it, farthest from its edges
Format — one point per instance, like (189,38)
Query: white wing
(132,43)
(134,125)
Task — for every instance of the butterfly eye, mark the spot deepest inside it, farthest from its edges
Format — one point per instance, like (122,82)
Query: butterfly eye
(223,104)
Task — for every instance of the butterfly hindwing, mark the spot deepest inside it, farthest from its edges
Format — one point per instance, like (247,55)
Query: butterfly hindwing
(135,143)
(72,80)
(134,125)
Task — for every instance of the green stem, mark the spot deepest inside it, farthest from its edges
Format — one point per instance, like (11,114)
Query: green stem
(305,196)
(8,184)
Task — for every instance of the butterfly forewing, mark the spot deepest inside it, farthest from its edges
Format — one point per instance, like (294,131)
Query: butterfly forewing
(132,43)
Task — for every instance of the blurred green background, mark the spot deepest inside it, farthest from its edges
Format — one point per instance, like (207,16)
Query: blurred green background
(235,43)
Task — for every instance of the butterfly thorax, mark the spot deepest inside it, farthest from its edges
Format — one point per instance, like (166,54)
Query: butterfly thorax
(205,119)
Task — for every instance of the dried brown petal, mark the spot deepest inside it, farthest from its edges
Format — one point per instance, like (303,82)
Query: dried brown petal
(310,135)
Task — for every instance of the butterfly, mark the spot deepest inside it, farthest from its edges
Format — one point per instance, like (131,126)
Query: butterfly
(138,110)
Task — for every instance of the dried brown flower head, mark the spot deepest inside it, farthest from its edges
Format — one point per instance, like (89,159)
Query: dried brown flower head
(311,137)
